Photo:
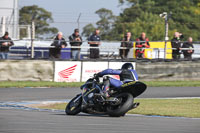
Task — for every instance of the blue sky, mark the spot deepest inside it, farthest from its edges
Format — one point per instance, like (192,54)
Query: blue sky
(66,12)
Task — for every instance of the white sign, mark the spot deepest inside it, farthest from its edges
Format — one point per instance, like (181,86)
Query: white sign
(67,71)
(70,71)
(90,68)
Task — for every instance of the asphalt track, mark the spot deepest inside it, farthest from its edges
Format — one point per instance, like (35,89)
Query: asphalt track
(23,121)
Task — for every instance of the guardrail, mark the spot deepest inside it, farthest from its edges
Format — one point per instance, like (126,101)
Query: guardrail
(108,50)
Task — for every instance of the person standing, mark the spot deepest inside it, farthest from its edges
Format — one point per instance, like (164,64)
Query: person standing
(141,43)
(75,40)
(176,43)
(126,44)
(58,43)
(5,43)
(94,42)
(188,53)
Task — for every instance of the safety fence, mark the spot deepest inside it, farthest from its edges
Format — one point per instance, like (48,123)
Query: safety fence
(22,49)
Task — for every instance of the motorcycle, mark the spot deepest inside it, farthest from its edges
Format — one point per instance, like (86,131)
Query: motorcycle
(93,101)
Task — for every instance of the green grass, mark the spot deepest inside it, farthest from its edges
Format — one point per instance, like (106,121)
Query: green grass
(20,84)
(168,107)
(162,107)
(173,83)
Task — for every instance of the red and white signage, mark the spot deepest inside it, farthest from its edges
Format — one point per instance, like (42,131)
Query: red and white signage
(70,71)
(67,71)
(90,68)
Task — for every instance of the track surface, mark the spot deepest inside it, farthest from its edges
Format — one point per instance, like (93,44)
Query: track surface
(21,121)
(28,94)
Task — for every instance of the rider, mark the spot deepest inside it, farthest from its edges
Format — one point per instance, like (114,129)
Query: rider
(126,73)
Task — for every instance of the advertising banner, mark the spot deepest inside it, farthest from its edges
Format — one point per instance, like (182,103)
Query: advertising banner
(90,68)
(75,71)
(67,71)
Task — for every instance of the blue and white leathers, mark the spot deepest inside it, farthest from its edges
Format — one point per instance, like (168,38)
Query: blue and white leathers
(114,82)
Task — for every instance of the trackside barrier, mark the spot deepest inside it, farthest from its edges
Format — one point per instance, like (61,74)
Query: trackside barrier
(108,50)
(77,71)
(44,70)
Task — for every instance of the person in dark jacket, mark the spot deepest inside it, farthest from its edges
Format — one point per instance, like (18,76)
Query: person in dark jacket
(127,43)
(94,41)
(75,40)
(5,43)
(188,53)
(176,43)
(141,43)
(58,43)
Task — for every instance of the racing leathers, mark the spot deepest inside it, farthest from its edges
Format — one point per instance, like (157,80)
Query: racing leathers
(124,74)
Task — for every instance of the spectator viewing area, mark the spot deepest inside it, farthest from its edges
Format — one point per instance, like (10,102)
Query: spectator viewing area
(107,50)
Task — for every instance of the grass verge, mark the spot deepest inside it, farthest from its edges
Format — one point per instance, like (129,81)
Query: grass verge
(21,84)
(168,107)
(162,107)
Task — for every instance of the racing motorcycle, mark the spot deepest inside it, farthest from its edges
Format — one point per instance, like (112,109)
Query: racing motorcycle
(93,101)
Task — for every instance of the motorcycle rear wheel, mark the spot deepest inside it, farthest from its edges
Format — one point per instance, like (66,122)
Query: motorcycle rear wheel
(123,107)
(74,107)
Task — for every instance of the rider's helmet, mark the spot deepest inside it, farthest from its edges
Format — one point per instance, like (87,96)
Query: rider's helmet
(127,66)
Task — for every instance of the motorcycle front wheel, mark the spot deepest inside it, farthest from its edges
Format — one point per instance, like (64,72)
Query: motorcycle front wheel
(126,103)
(74,106)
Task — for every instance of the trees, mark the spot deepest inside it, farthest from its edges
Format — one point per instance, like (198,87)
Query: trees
(105,24)
(42,19)
(87,30)
(143,16)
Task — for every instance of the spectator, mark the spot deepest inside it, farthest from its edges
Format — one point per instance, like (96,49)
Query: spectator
(94,41)
(176,43)
(141,43)
(59,43)
(188,53)
(5,43)
(126,43)
(75,40)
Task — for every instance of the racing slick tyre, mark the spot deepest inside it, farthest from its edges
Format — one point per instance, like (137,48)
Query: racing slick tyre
(74,106)
(126,103)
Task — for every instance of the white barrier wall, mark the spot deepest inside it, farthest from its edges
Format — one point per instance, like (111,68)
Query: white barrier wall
(39,70)
(70,71)
(26,70)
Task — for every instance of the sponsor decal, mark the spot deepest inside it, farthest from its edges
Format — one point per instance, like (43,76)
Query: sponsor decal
(92,71)
(67,72)
(127,84)
(65,75)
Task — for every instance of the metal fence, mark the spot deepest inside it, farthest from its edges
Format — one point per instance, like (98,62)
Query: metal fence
(108,50)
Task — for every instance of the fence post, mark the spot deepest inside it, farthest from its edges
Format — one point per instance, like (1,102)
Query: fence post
(32,38)
(166,35)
